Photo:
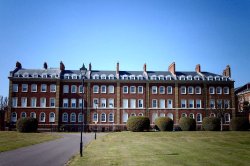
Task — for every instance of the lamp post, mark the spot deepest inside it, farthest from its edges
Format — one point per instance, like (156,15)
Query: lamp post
(83,71)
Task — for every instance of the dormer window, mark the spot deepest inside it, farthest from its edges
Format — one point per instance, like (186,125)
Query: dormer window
(161,77)
(217,78)
(168,77)
(224,78)
(74,76)
(182,77)
(96,76)
(111,77)
(103,77)
(53,76)
(153,77)
(196,78)
(210,78)
(26,75)
(140,77)
(132,77)
(125,77)
(189,78)
(66,76)
(44,75)
(35,75)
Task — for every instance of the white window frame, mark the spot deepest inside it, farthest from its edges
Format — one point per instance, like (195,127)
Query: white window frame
(33,115)
(191,115)
(140,89)
(111,89)
(111,103)
(212,103)
(183,90)
(132,103)
(13,117)
(192,90)
(25,87)
(125,103)
(170,115)
(95,103)
(162,103)
(154,90)
(227,117)
(33,87)
(33,102)
(111,117)
(218,90)
(52,102)
(125,117)
(198,102)
(103,117)
(140,103)
(80,117)
(23,115)
(23,101)
(65,117)
(169,90)
(103,103)
(42,118)
(227,104)
(95,117)
(211,90)
(52,117)
(198,117)
(168,104)
(191,103)
(73,117)
(15,87)
(154,103)
(198,88)
(162,90)
(73,89)
(103,89)
(14,102)
(53,88)
(132,89)
(65,88)
(125,89)
(81,89)
(226,90)
(183,103)
(44,88)
(95,89)
(65,103)
(73,103)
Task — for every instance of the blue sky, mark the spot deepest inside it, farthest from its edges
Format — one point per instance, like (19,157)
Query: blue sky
(213,33)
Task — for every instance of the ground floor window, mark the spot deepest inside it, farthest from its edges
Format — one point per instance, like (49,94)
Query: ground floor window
(111,117)
(33,115)
(170,115)
(23,115)
(65,117)
(42,117)
(13,117)
(52,117)
(125,117)
(199,117)
(227,117)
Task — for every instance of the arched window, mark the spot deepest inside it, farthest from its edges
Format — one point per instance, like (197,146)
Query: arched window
(170,115)
(218,90)
(111,117)
(168,77)
(161,77)
(227,117)
(133,114)
(103,76)
(65,117)
(96,76)
(13,117)
(23,114)
(199,117)
(125,77)
(196,77)
(162,115)
(80,117)
(154,116)
(65,89)
(153,77)
(197,90)
(132,77)
(42,117)
(125,117)
(212,115)
(183,115)
(52,117)
(211,90)
(80,89)
(140,114)
(33,115)
(103,117)
(217,78)
(189,77)
(191,115)
(111,77)
(140,77)
(72,117)
(73,88)
(182,77)
(95,117)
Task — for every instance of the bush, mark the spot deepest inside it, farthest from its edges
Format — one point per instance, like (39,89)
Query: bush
(164,123)
(211,124)
(138,123)
(239,124)
(27,125)
(187,124)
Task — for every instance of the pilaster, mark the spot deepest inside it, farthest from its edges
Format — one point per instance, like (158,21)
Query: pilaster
(8,113)
(176,95)
(147,98)
(233,101)
(88,103)
(57,109)
(118,101)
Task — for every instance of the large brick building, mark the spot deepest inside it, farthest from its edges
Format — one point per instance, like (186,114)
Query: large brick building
(54,96)
(242,95)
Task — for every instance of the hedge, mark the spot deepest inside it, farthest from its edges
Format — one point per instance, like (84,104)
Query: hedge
(27,124)
(239,124)
(138,123)
(164,123)
(187,124)
(211,124)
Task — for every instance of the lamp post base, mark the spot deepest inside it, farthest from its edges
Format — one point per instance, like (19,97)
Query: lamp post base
(81,149)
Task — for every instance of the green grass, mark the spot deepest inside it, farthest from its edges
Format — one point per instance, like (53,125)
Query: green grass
(168,148)
(10,140)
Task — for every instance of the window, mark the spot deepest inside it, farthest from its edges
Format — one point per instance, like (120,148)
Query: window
(42,117)
(196,78)
(140,77)
(33,102)
(226,90)
(162,115)
(227,117)
(103,77)
(111,103)
(168,77)
(191,115)
(34,88)
(24,87)
(132,77)
(125,117)
(140,89)
(161,77)
(111,89)
(153,77)
(125,103)
(211,90)
(33,115)
(132,89)
(162,90)
(103,103)
(52,88)
(111,77)
(52,117)
(72,117)
(169,90)
(218,90)
(73,88)
(154,89)
(95,89)
(23,115)
(43,88)
(15,88)
(65,89)
(226,104)
(183,90)
(52,102)
(74,76)
(125,89)
(210,78)
(95,103)
(183,115)
(140,114)
(191,103)
(65,103)
(199,117)
(125,77)
(24,102)
(190,90)
(219,103)
(198,103)
(140,103)
(154,116)
(65,117)
(217,78)
(80,118)
(81,89)
(14,101)
(154,103)
(133,114)
(162,103)
(183,103)
(170,115)
(103,117)
(197,90)
(189,77)
(132,103)
(13,117)
(42,102)
(111,117)
(212,115)
(103,89)
(182,77)
(96,76)
(170,103)
(73,103)
(212,103)
(80,103)
(95,117)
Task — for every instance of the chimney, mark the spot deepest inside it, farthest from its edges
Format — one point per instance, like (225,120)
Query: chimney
(198,68)
(18,65)
(117,68)
(45,66)
(227,71)
(171,68)
(145,67)
(62,67)
(90,67)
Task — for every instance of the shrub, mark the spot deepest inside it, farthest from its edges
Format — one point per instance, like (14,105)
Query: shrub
(239,124)
(211,124)
(187,124)
(27,125)
(164,123)
(138,123)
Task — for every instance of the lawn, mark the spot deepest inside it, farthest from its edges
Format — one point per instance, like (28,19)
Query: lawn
(10,140)
(167,148)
